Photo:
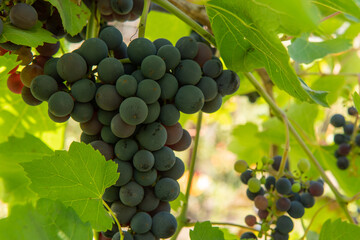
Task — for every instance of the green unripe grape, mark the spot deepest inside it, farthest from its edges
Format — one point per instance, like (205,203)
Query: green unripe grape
(240,166)
(296,187)
(254,185)
(263,180)
(303,165)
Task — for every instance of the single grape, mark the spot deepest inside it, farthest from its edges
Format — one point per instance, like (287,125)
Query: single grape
(283,204)
(213,68)
(342,162)
(153,112)
(108,136)
(14,83)
(174,133)
(170,55)
(29,73)
(92,127)
(143,160)
(23,16)
(111,194)
(189,99)
(150,202)
(60,104)
(254,184)
(307,200)
(277,162)
(169,115)
(120,128)
(352,111)
(240,166)
(303,165)
(164,225)
(169,86)
(296,187)
(161,42)
(107,98)
(208,87)
(153,67)
(344,149)
(141,222)
(167,189)
(204,54)
(252,196)
(82,112)
(152,136)
(261,202)
(250,220)
(71,67)
(126,85)
(263,214)
(164,159)
(357,140)
(48,49)
(139,49)
(337,120)
(122,7)
(296,209)
(316,189)
(111,36)
(92,57)
(213,105)
(125,149)
(149,91)
(228,82)
(133,110)
(283,186)
(83,90)
(348,128)
(188,72)
(284,224)
(109,70)
(131,194)
(188,47)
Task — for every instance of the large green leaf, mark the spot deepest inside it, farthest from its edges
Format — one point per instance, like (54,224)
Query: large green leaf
(14,151)
(346,6)
(205,231)
(78,178)
(50,220)
(245,43)
(332,84)
(16,117)
(339,230)
(164,25)
(33,37)
(303,51)
(73,17)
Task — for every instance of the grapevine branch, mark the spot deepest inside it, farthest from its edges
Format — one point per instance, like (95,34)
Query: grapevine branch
(197,12)
(185,18)
(115,218)
(143,18)
(279,113)
(182,219)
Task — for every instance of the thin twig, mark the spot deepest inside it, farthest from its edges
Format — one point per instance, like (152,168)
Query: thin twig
(143,18)
(286,148)
(115,218)
(182,219)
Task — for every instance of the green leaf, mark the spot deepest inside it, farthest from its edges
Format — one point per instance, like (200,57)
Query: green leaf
(311,235)
(228,235)
(33,37)
(338,230)
(16,117)
(50,220)
(178,202)
(303,51)
(14,151)
(164,25)
(78,178)
(356,99)
(245,43)
(332,84)
(205,231)
(73,17)
(348,6)
(246,143)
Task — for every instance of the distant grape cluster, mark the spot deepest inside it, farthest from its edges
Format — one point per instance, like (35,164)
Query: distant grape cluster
(348,140)
(277,200)
(120,10)
(130,111)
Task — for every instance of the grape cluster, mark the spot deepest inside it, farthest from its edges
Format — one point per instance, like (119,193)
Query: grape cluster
(120,10)
(275,197)
(346,145)
(130,111)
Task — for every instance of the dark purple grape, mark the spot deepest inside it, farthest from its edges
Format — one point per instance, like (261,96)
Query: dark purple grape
(342,162)
(277,162)
(283,204)
(261,202)
(337,120)
(352,111)
(316,189)
(250,220)
(307,200)
(342,138)
(344,149)
(348,128)
(245,176)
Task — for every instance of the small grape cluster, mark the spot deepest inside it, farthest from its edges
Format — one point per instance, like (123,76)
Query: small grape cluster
(344,140)
(275,197)
(130,111)
(120,10)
